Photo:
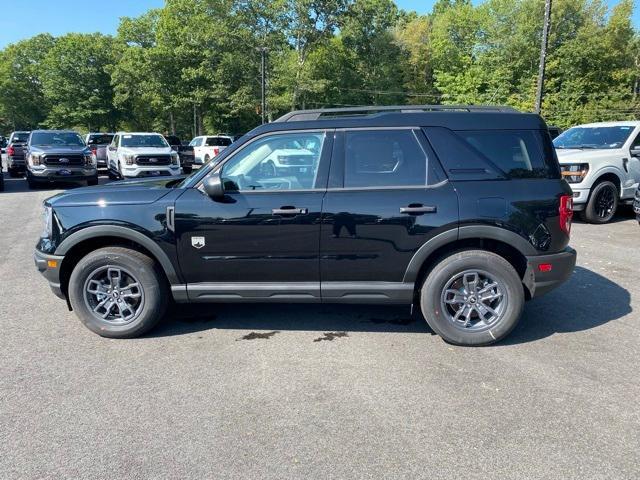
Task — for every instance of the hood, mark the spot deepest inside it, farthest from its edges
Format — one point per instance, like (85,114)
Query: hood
(126,192)
(574,155)
(58,149)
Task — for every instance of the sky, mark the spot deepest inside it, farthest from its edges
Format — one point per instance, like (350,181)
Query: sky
(25,18)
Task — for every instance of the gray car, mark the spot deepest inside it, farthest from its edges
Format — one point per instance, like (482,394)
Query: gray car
(59,155)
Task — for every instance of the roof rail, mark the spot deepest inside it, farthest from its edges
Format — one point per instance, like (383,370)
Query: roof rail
(309,115)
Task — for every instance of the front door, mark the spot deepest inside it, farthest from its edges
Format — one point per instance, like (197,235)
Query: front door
(384,201)
(262,240)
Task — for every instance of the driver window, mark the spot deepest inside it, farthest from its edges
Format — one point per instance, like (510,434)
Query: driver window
(636,143)
(276,162)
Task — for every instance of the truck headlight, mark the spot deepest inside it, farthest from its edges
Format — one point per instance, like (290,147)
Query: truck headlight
(89,160)
(175,159)
(35,159)
(129,159)
(47,220)
(575,172)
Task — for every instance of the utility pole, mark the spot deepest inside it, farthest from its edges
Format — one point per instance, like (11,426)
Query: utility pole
(543,55)
(263,81)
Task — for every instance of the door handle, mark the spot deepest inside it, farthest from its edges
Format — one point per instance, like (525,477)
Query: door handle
(417,209)
(289,211)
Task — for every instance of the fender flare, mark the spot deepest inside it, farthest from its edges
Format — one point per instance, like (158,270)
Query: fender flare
(124,233)
(461,233)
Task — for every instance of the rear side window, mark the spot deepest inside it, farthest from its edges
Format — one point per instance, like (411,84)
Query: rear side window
(383,158)
(492,154)
(102,139)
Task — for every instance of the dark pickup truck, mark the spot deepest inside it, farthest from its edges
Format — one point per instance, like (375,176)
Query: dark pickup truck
(185,152)
(98,143)
(15,153)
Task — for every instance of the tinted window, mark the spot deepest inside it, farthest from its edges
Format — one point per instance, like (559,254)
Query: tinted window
(56,138)
(516,152)
(101,139)
(276,162)
(20,137)
(383,158)
(594,137)
(218,142)
(173,140)
(156,141)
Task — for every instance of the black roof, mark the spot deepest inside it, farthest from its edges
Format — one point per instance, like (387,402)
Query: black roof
(454,117)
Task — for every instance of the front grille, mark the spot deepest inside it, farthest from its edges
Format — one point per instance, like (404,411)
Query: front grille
(64,160)
(153,160)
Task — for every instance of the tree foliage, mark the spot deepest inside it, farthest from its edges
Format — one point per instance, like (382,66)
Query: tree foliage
(194,65)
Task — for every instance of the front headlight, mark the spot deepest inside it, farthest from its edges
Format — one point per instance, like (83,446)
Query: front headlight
(47,220)
(174,158)
(35,159)
(574,173)
(89,160)
(128,159)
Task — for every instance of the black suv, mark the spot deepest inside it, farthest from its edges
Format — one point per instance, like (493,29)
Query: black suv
(460,210)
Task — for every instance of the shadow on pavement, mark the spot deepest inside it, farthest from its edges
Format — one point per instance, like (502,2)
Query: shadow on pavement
(586,301)
(183,319)
(19,185)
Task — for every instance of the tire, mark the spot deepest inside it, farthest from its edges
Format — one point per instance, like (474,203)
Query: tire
(31,183)
(602,204)
(112,175)
(439,308)
(134,268)
(92,181)
(207,159)
(187,170)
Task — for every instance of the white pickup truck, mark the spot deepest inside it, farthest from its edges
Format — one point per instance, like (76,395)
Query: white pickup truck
(133,155)
(207,147)
(601,162)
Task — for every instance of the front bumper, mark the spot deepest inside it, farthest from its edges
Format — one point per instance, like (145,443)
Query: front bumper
(49,266)
(562,266)
(61,174)
(580,198)
(135,171)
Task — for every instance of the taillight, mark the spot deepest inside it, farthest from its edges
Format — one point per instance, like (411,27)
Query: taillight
(94,150)
(11,151)
(216,151)
(566,213)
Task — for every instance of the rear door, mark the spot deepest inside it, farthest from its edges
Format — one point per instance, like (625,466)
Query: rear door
(385,200)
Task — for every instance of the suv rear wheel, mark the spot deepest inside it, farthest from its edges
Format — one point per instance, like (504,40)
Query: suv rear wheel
(473,297)
(602,204)
(117,292)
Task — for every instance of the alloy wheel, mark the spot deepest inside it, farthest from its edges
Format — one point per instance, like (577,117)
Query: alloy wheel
(473,300)
(112,294)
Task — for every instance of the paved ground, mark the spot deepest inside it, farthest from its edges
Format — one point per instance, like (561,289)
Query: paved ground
(321,392)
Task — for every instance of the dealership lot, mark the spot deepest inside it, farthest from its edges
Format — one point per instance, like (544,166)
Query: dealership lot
(275,391)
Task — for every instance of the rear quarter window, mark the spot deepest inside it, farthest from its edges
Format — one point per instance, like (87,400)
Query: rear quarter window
(492,154)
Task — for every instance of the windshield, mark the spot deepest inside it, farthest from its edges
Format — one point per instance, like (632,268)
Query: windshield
(100,139)
(20,137)
(593,137)
(57,138)
(156,141)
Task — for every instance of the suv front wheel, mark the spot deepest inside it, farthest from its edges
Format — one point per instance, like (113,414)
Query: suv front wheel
(472,298)
(118,292)
(602,204)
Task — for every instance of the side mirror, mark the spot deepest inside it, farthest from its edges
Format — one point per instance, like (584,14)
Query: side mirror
(213,186)
(635,152)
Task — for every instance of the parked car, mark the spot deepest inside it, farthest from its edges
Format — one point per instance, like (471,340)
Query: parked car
(134,155)
(16,165)
(98,143)
(184,150)
(601,162)
(463,213)
(207,147)
(58,155)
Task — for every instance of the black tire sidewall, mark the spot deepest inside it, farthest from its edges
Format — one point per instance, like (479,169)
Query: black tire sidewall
(147,274)
(590,209)
(448,267)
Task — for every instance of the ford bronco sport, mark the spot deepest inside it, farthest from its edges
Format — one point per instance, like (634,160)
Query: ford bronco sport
(460,210)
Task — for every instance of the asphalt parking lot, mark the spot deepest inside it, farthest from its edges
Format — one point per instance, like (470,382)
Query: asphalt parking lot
(298,391)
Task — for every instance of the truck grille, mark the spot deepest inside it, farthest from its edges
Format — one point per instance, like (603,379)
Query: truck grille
(153,160)
(64,160)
